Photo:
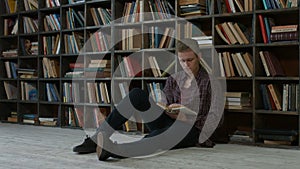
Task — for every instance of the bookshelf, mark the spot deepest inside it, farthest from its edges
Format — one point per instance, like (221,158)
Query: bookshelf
(63,29)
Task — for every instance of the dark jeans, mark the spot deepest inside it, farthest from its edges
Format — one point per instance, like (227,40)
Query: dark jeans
(160,126)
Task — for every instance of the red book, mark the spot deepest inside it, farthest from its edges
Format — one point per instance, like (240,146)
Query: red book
(263,28)
(228,6)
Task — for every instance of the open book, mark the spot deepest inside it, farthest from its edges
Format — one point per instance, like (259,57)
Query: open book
(177,109)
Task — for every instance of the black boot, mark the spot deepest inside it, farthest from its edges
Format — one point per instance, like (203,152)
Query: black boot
(103,142)
(88,146)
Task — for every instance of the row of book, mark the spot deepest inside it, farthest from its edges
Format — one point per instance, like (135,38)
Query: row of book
(273,33)
(98,93)
(13,71)
(279,4)
(31,5)
(51,44)
(90,118)
(71,92)
(232,33)
(52,93)
(235,64)
(233,6)
(30,25)
(155,91)
(73,42)
(74,19)
(98,42)
(52,22)
(101,16)
(29,92)
(128,67)
(280,97)
(52,3)
(132,12)
(159,38)
(50,68)
(160,9)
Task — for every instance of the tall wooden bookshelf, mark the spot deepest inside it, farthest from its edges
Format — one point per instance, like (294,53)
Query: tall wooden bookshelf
(253,117)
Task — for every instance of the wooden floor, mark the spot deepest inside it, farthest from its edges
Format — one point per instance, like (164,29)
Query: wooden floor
(33,147)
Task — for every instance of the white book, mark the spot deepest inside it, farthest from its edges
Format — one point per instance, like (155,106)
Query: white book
(221,65)
(263,60)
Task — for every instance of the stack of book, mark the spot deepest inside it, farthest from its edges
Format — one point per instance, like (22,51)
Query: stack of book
(194,7)
(284,33)
(241,135)
(98,68)
(47,121)
(26,73)
(237,100)
(203,40)
(13,117)
(277,137)
(76,70)
(30,118)
(10,53)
